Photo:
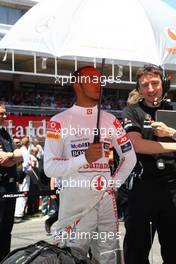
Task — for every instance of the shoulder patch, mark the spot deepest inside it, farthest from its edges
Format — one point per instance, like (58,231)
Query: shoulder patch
(54,126)
(123,139)
(54,130)
(126,147)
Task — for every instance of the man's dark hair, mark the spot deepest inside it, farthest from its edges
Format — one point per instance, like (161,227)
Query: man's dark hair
(149,68)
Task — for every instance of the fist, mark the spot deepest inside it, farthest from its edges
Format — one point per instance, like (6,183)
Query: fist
(94,152)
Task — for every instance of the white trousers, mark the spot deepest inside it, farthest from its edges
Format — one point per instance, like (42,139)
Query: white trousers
(97,229)
(21,201)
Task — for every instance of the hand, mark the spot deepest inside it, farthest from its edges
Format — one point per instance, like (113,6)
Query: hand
(162,130)
(4,157)
(53,197)
(94,152)
(8,163)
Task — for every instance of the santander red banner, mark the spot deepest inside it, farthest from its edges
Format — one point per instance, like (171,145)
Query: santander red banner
(31,126)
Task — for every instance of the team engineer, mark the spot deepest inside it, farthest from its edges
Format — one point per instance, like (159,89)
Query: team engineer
(151,203)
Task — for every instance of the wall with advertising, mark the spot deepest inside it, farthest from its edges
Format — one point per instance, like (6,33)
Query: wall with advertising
(31,126)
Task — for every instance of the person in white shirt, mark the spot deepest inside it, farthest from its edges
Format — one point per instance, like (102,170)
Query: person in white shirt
(70,153)
(24,186)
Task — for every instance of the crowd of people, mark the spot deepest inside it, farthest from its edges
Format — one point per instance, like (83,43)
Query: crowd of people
(32,179)
(44,99)
(144,161)
(47,99)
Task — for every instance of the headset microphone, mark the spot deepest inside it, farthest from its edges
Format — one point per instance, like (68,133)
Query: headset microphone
(166,87)
(157,103)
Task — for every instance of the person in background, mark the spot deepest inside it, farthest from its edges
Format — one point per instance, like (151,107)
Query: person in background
(9,157)
(35,143)
(133,97)
(54,199)
(33,199)
(152,188)
(24,186)
(19,168)
(17,142)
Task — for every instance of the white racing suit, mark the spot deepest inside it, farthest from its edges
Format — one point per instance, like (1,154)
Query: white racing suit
(87,203)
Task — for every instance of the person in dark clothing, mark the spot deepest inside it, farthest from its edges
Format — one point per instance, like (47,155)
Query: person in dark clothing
(152,194)
(9,157)
(53,199)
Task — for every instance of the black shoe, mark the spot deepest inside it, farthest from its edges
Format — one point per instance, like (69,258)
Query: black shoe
(47,227)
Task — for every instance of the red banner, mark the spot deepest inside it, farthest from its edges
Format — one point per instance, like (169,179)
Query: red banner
(32,126)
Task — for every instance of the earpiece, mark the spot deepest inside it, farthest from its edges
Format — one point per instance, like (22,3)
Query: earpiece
(166,85)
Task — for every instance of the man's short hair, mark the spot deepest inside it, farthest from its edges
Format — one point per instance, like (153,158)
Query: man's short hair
(77,73)
(148,68)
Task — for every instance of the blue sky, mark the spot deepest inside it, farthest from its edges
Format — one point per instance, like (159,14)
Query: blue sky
(170,2)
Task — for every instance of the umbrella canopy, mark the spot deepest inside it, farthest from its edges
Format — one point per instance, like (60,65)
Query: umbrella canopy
(137,31)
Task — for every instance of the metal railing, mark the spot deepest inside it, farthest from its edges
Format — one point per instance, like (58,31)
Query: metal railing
(43,111)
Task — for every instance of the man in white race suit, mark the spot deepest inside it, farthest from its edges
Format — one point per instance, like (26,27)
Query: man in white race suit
(88,211)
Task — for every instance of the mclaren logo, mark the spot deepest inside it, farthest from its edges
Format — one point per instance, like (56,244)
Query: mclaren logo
(171,35)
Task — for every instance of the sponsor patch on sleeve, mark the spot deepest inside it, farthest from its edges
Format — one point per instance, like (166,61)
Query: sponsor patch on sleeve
(123,139)
(54,130)
(52,135)
(126,147)
(127,123)
(54,126)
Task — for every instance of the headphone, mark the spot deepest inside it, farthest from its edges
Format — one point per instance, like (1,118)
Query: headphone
(165,80)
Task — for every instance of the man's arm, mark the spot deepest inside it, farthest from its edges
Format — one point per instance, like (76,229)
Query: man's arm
(133,125)
(57,166)
(9,159)
(146,146)
(125,150)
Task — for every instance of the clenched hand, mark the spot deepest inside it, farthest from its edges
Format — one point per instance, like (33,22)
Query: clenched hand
(162,130)
(94,152)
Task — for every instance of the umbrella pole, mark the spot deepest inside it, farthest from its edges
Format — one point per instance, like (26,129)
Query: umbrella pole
(97,135)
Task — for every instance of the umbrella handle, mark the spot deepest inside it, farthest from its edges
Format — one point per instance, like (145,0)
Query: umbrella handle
(97,135)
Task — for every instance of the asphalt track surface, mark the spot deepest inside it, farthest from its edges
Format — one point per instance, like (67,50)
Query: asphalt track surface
(32,230)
